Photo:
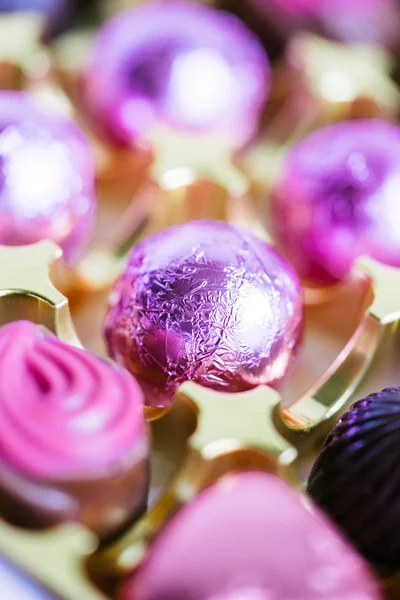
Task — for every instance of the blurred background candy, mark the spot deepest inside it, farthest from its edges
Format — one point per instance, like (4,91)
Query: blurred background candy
(374,21)
(46,178)
(179,64)
(206,302)
(336,199)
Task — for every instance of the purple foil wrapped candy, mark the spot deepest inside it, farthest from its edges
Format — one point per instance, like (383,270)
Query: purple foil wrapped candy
(338,199)
(208,302)
(356,478)
(177,63)
(46,178)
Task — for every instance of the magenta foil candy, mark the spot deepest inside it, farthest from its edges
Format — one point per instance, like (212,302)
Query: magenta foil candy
(250,537)
(46,178)
(73,439)
(207,302)
(338,199)
(53,10)
(175,63)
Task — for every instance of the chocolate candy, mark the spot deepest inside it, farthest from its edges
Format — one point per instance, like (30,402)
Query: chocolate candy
(175,63)
(336,199)
(355,476)
(46,178)
(208,302)
(73,441)
(250,536)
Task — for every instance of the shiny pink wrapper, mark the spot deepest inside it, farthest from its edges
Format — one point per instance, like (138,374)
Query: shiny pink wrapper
(47,177)
(208,302)
(250,537)
(337,199)
(176,63)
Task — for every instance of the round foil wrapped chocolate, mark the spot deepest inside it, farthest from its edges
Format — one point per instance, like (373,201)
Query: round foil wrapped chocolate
(208,302)
(250,537)
(73,440)
(356,478)
(374,21)
(337,199)
(46,178)
(175,63)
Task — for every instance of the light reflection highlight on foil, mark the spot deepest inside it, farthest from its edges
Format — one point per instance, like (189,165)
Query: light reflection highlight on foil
(38,172)
(201,86)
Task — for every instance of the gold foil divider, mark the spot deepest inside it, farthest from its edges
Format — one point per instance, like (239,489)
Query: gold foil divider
(340,74)
(243,418)
(54,558)
(26,290)
(320,405)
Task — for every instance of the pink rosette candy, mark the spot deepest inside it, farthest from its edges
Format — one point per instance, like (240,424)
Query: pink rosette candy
(73,440)
(46,178)
(337,199)
(176,63)
(250,537)
(208,302)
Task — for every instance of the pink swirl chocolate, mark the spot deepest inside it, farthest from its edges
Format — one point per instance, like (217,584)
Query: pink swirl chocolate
(73,440)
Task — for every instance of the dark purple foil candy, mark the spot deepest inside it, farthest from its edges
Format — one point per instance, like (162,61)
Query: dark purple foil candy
(356,478)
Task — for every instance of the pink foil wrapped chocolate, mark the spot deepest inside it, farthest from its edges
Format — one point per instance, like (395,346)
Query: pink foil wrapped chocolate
(73,439)
(46,178)
(337,199)
(176,63)
(208,302)
(251,537)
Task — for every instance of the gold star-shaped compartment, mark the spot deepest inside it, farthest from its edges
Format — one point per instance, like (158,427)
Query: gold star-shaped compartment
(27,292)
